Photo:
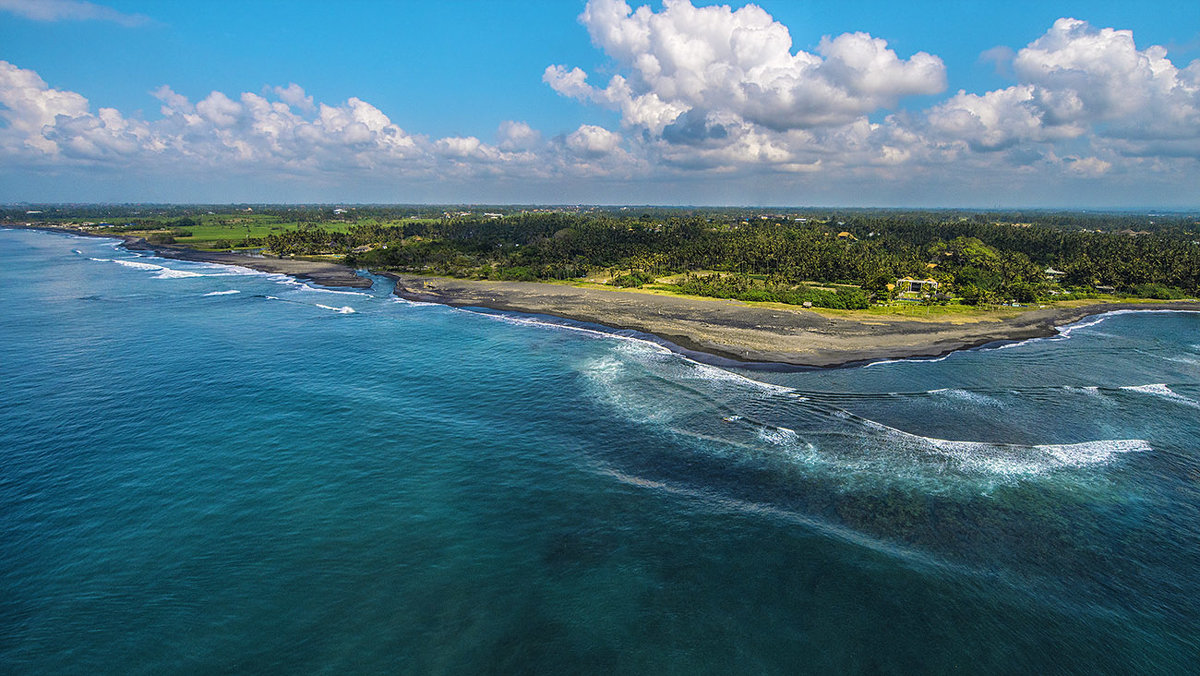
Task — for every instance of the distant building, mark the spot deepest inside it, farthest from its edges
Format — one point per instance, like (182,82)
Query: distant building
(908,287)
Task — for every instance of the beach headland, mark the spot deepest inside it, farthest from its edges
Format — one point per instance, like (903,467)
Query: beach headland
(753,333)
(325,273)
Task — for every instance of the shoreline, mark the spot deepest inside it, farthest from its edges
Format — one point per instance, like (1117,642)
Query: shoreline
(325,273)
(727,330)
(756,335)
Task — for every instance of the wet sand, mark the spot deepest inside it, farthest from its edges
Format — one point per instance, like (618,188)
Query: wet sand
(735,330)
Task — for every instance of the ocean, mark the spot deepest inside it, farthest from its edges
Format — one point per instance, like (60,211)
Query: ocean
(209,469)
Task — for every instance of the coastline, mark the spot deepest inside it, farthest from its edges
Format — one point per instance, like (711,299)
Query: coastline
(722,328)
(733,330)
(325,273)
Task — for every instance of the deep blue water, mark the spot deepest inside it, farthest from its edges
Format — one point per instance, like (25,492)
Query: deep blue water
(287,479)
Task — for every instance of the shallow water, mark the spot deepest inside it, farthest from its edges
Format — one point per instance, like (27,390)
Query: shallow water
(289,478)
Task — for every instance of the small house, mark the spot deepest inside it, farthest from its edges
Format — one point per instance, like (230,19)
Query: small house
(908,287)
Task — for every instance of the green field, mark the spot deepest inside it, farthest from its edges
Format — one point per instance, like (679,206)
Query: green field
(237,232)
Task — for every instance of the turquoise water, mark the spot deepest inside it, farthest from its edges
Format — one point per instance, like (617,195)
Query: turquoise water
(208,469)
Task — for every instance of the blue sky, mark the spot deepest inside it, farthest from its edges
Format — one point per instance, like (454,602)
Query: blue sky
(861,122)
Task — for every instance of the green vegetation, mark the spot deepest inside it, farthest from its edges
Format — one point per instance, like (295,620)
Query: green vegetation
(833,259)
(749,289)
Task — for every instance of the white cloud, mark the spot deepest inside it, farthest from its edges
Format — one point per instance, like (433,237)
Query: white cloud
(706,93)
(31,106)
(592,141)
(517,136)
(716,59)
(70,10)
(1079,81)
(294,95)
(1088,166)
(283,131)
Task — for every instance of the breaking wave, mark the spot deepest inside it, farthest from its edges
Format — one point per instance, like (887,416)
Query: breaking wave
(1163,391)
(222,293)
(736,419)
(194,269)
(306,287)
(345,309)
(1064,332)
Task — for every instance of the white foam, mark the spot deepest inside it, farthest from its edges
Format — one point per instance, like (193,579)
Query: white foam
(1064,332)
(416,303)
(780,436)
(161,271)
(969,396)
(531,321)
(306,287)
(345,309)
(715,373)
(222,293)
(1025,342)
(907,360)
(170,273)
(1161,390)
(135,264)
(1015,459)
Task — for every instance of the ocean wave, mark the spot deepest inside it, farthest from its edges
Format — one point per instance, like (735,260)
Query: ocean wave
(779,436)
(1163,391)
(519,320)
(1013,459)
(345,309)
(163,271)
(222,293)
(969,396)
(732,417)
(712,373)
(305,287)
(171,273)
(416,303)
(916,360)
(1064,331)
(725,503)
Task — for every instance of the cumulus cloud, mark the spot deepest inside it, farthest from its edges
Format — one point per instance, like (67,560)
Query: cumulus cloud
(294,95)
(700,92)
(517,136)
(592,141)
(70,10)
(1077,80)
(31,106)
(688,58)
(283,129)
(716,88)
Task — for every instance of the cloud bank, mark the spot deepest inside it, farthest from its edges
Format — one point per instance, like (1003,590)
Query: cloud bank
(70,10)
(701,94)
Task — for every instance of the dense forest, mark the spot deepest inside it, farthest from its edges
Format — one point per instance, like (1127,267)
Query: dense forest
(842,258)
